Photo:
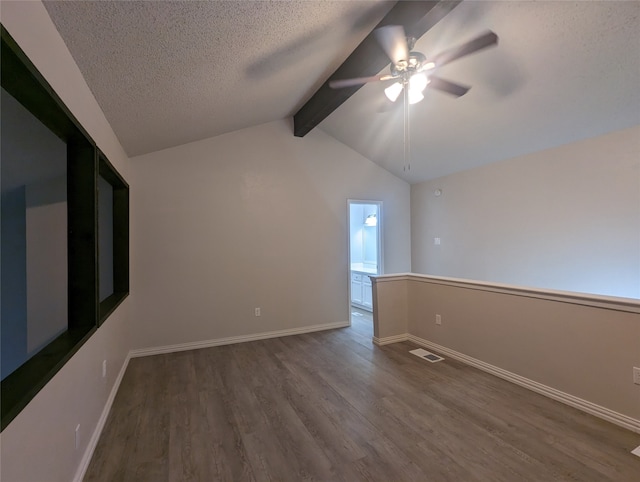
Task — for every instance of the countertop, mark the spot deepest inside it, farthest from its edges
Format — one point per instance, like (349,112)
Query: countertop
(362,268)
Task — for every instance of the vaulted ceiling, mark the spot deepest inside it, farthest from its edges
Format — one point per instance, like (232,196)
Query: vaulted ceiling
(167,73)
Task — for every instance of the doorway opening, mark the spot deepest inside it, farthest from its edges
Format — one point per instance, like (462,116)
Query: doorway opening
(365,256)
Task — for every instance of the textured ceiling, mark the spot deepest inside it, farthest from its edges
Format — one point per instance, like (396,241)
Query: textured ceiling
(562,71)
(170,72)
(166,73)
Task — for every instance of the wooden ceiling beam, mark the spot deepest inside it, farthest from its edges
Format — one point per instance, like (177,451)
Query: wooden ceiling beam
(417,17)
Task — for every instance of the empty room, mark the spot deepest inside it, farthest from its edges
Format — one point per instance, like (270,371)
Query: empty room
(320,240)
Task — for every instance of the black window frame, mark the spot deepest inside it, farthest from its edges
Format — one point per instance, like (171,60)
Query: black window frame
(21,79)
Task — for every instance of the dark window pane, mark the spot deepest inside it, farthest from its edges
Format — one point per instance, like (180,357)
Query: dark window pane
(34,235)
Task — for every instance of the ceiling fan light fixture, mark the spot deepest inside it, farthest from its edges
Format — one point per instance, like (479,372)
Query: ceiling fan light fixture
(418,82)
(371,220)
(393,91)
(415,96)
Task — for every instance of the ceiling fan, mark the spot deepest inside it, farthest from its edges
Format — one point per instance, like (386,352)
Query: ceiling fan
(413,71)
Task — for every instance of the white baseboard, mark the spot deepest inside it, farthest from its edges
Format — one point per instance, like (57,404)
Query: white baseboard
(88,453)
(195,345)
(571,400)
(387,340)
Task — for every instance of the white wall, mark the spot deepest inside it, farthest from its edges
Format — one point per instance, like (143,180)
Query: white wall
(566,218)
(38,445)
(253,218)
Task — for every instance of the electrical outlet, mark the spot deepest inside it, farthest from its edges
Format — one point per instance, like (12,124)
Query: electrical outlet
(104,368)
(77,438)
(436,241)
(636,375)
(257,311)
(438,320)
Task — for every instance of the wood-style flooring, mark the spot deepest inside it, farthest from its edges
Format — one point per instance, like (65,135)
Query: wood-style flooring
(330,406)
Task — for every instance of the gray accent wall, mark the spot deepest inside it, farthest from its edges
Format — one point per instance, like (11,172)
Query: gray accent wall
(566,218)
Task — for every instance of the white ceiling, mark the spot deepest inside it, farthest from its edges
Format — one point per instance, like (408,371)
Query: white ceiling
(166,73)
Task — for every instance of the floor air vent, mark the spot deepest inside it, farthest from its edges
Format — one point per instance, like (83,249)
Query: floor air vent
(426,355)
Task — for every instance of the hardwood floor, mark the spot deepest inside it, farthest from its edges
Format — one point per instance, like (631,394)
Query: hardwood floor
(330,406)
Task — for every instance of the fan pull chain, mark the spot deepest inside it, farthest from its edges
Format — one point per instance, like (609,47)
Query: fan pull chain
(407,145)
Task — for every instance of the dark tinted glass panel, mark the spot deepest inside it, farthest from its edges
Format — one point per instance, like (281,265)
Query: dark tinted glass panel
(34,249)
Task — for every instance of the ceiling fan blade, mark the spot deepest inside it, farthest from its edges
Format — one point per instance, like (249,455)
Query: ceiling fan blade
(393,41)
(447,86)
(339,84)
(485,40)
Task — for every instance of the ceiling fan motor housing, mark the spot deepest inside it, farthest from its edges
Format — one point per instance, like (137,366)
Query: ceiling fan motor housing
(411,66)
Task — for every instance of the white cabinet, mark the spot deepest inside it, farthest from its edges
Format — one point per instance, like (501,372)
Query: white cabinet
(356,288)
(367,295)
(361,295)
